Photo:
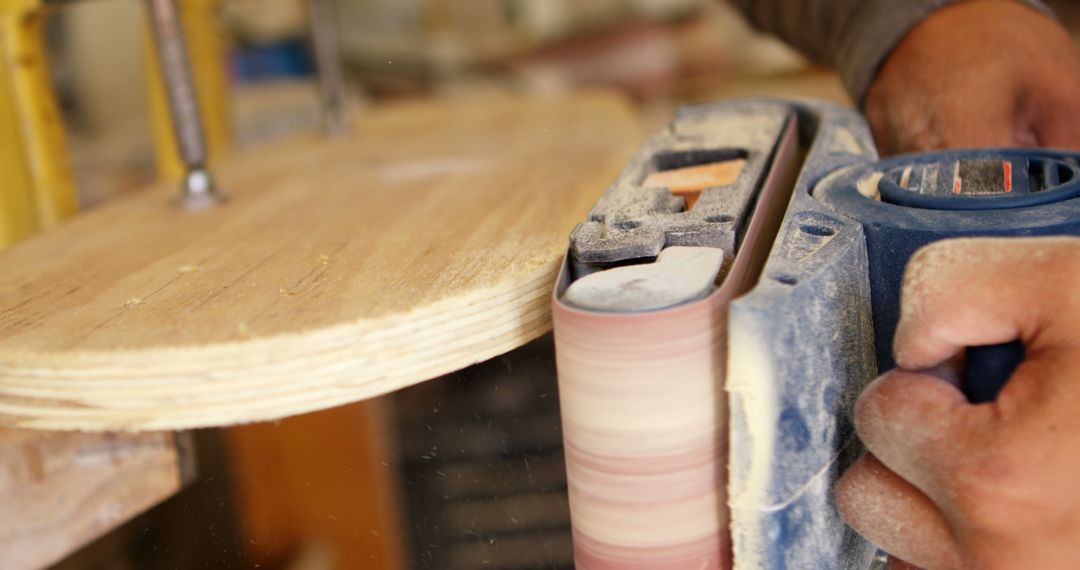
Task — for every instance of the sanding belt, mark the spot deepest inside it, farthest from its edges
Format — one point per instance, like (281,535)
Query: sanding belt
(642,395)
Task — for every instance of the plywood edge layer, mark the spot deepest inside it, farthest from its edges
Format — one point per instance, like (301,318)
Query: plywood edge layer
(181,388)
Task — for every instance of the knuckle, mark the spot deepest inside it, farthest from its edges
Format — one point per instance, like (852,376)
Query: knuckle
(926,269)
(1067,256)
(897,401)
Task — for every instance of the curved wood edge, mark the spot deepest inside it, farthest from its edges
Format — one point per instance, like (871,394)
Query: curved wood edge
(277,376)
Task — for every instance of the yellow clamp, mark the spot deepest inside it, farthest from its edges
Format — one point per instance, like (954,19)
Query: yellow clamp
(36,187)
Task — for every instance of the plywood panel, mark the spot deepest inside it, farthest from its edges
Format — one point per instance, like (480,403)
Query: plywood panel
(425,241)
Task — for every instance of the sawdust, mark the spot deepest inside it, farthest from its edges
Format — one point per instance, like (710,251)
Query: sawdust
(868,186)
(244,331)
(751,387)
(843,140)
(797,359)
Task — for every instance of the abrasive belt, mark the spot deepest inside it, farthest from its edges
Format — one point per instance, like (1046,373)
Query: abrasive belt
(644,412)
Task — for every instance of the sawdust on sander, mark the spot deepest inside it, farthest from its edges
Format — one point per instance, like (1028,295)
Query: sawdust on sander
(750,374)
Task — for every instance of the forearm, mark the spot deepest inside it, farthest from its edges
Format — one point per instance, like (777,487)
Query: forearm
(851,36)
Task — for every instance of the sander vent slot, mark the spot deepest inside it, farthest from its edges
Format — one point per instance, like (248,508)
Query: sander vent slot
(816,230)
(785,279)
(672,160)
(1046,174)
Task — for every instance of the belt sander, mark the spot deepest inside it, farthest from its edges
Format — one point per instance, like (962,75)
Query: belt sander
(724,304)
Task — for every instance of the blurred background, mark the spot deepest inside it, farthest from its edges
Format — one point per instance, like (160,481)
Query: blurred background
(465,471)
(660,52)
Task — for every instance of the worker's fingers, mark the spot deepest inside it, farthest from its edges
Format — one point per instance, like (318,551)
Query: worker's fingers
(897,564)
(1050,95)
(971,292)
(910,421)
(895,515)
(1056,117)
(975,120)
(914,122)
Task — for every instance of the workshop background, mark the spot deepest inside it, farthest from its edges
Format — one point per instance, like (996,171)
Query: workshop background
(462,472)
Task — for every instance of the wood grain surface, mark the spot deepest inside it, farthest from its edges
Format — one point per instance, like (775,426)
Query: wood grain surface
(425,241)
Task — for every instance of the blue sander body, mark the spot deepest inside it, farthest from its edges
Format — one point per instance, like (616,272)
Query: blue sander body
(851,227)
(818,324)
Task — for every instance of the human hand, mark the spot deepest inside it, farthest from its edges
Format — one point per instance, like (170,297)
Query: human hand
(979,73)
(948,484)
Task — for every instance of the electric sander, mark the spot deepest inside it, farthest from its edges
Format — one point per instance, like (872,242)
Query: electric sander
(724,304)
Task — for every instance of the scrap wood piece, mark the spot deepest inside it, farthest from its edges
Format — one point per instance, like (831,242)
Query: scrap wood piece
(340,270)
(62,490)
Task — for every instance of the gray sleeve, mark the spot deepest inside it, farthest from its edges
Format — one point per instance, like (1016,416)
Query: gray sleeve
(852,36)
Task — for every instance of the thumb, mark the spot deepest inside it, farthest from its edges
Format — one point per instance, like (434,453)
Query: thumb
(972,292)
(1056,122)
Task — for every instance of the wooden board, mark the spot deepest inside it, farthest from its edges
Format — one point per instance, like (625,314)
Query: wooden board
(59,491)
(426,241)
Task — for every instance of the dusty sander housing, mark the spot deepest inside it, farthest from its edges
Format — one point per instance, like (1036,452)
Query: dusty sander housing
(749,383)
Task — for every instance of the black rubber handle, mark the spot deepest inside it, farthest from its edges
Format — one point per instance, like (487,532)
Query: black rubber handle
(987,368)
